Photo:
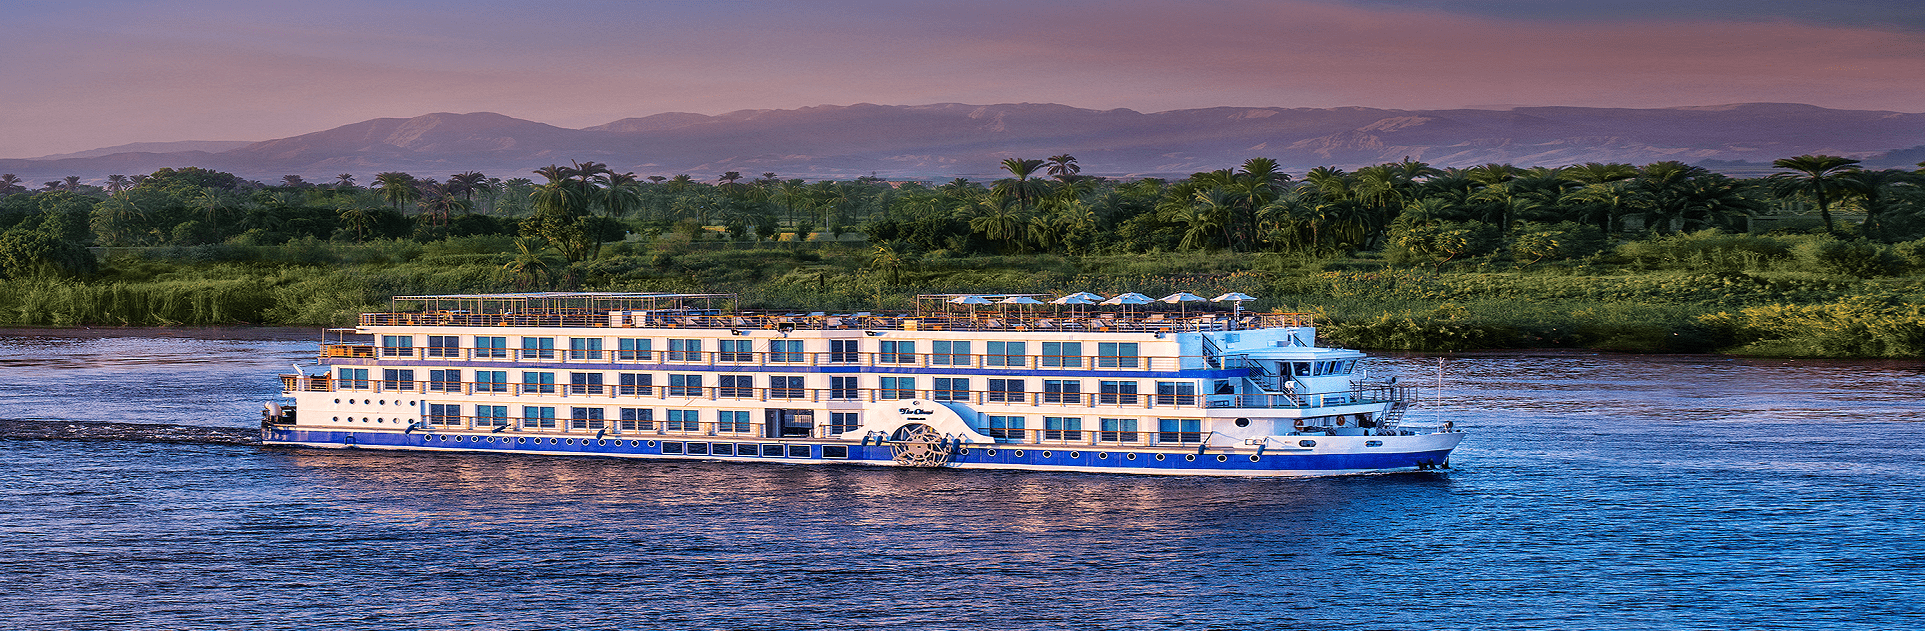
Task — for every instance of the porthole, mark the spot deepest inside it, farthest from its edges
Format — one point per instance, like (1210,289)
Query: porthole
(634,443)
(1189,457)
(1103,456)
(571,441)
(1243,422)
(992,451)
(601,443)
(521,440)
(399,403)
(1256,458)
(380,420)
(1019,453)
(457,439)
(444,438)
(1075,454)
(337,401)
(337,419)
(1222,458)
(384,402)
(962,452)
(350,401)
(1130,456)
(1306,443)
(1159,457)
(1373,443)
(1046,454)
(651,443)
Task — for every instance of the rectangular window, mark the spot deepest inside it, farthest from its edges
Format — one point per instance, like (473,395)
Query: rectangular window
(840,422)
(444,381)
(785,387)
(898,388)
(397,379)
(537,417)
(537,348)
(444,414)
(735,351)
(1063,354)
(584,348)
(584,383)
(1173,430)
(491,416)
(538,383)
(1062,428)
(842,387)
(353,379)
(1006,427)
(1225,386)
(397,346)
(732,421)
(1118,430)
(1116,355)
(1006,354)
(491,381)
(1062,391)
(1006,390)
(636,383)
(685,350)
(897,352)
(684,421)
(634,350)
(735,386)
(844,352)
(1176,393)
(785,351)
(444,346)
(949,353)
(638,419)
(491,347)
(948,389)
(1117,393)
(585,418)
(684,385)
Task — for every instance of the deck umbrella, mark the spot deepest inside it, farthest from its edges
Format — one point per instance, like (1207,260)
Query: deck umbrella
(1181,297)
(972,301)
(1237,298)
(1079,298)
(1131,298)
(1019,301)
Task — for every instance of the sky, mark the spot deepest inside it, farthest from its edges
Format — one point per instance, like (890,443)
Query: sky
(85,74)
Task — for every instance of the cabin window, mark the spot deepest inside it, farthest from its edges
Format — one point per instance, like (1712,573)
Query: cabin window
(1006,390)
(840,422)
(732,421)
(1300,369)
(1063,354)
(671,448)
(785,351)
(637,419)
(444,414)
(494,347)
(444,346)
(538,382)
(1118,430)
(950,389)
(584,383)
(1179,430)
(584,348)
(354,378)
(585,418)
(444,381)
(785,387)
(898,388)
(537,417)
(835,451)
(537,348)
(949,353)
(1116,354)
(491,416)
(685,350)
(735,386)
(1117,392)
(635,350)
(1006,427)
(397,379)
(1225,386)
(735,351)
(1006,354)
(897,352)
(491,381)
(1062,428)
(684,421)
(842,387)
(684,385)
(397,346)
(844,352)
(635,383)
(1062,391)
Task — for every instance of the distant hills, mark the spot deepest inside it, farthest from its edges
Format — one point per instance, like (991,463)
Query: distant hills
(941,141)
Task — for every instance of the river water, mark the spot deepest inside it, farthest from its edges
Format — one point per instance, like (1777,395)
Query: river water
(1595,492)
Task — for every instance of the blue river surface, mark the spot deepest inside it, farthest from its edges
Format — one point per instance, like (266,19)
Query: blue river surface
(1595,491)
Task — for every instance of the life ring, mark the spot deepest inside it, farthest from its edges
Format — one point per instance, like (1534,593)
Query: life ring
(1300,424)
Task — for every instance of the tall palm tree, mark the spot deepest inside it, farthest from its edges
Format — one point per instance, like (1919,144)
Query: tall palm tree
(71,184)
(397,188)
(1877,190)
(465,184)
(292,181)
(1820,176)
(356,217)
(1063,167)
(1021,188)
(1591,173)
(998,221)
(10,184)
(116,183)
(620,193)
(532,264)
(344,181)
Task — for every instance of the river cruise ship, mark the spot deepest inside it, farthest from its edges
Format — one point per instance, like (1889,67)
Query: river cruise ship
(1120,385)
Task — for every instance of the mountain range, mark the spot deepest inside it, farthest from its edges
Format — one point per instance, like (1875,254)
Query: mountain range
(941,141)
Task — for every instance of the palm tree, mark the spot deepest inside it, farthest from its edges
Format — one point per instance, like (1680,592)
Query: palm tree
(465,184)
(116,183)
(1022,188)
(998,221)
(1876,189)
(355,217)
(344,181)
(71,184)
(1822,177)
(292,181)
(729,178)
(1591,173)
(619,193)
(533,264)
(397,188)
(440,203)
(10,184)
(1063,167)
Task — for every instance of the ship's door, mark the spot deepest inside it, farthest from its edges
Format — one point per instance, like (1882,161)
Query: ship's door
(788,423)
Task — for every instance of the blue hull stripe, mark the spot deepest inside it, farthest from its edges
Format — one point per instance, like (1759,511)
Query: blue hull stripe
(747,368)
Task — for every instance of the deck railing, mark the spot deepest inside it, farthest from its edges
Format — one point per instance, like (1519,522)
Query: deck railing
(980,321)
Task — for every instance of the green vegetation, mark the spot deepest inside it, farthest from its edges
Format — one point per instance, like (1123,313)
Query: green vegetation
(1664,257)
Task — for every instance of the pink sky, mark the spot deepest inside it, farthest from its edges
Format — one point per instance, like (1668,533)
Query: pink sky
(82,75)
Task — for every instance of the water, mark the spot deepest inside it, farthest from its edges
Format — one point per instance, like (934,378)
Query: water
(1596,492)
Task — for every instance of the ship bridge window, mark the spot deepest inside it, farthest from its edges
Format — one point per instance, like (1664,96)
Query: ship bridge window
(1301,369)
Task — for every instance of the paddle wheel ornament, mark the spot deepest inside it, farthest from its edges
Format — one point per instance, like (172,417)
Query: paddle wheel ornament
(919,445)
